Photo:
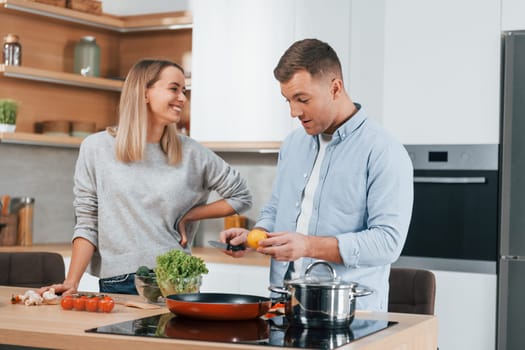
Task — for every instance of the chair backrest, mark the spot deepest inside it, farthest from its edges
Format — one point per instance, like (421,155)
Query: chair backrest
(31,269)
(411,291)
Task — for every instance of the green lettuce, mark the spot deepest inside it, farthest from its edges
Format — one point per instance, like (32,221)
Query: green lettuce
(178,272)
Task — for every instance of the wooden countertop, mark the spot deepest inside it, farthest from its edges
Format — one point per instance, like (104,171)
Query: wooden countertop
(48,326)
(208,254)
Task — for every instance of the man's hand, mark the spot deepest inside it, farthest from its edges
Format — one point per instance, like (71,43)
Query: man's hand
(285,246)
(290,246)
(234,236)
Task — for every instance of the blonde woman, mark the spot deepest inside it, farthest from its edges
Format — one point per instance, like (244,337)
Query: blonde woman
(141,188)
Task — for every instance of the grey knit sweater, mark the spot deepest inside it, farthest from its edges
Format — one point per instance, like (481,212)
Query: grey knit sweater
(130,211)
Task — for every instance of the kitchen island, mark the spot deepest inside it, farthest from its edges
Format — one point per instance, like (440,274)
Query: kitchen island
(48,326)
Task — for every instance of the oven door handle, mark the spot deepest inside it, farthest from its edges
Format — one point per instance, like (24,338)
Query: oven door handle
(449,180)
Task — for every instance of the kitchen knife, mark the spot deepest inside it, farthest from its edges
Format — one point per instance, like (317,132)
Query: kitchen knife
(226,246)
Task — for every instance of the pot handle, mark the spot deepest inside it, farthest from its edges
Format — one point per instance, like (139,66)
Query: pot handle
(279,290)
(320,262)
(362,291)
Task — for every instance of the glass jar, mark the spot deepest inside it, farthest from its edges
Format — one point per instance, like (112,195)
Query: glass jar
(25,219)
(12,51)
(87,57)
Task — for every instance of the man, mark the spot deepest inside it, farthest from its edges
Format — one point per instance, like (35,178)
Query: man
(343,191)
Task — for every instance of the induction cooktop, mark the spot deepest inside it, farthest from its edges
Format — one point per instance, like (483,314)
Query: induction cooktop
(264,332)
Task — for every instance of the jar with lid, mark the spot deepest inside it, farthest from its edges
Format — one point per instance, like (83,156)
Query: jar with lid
(12,50)
(87,57)
(23,207)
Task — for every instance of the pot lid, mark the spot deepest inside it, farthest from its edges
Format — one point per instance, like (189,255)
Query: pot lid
(321,281)
(332,281)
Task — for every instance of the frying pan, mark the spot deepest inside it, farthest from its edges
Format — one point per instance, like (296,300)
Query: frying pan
(218,306)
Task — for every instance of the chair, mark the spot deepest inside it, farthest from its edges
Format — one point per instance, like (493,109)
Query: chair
(31,269)
(411,291)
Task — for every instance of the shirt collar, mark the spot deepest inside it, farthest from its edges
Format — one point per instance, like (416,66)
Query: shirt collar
(349,126)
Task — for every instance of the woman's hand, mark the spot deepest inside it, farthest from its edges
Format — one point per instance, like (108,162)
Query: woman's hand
(63,288)
(182,231)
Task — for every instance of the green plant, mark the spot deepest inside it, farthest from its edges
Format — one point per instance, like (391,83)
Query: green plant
(179,272)
(8,109)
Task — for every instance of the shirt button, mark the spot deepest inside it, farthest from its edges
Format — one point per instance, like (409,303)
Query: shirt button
(305,175)
(296,204)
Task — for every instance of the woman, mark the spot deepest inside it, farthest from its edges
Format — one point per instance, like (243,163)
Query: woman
(141,188)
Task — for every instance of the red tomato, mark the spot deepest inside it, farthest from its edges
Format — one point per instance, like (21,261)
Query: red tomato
(80,303)
(92,304)
(67,302)
(106,304)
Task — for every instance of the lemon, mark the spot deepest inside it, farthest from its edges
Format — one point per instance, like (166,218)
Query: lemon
(254,236)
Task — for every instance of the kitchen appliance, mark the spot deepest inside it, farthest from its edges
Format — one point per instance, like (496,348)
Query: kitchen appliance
(455,212)
(272,332)
(511,284)
(320,302)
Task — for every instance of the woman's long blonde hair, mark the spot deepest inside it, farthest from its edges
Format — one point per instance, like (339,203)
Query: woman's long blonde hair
(130,137)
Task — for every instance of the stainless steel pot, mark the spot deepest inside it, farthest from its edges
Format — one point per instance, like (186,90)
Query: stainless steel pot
(315,302)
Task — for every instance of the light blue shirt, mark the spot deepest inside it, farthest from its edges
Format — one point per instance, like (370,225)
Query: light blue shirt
(364,199)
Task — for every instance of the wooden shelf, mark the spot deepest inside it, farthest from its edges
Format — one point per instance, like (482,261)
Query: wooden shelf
(60,78)
(171,21)
(65,78)
(74,142)
(39,139)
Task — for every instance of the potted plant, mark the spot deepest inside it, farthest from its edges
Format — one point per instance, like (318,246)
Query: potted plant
(8,110)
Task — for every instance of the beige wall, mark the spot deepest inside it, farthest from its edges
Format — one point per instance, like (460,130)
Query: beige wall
(46,174)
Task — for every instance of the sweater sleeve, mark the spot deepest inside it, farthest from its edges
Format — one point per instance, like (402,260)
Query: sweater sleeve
(226,181)
(85,192)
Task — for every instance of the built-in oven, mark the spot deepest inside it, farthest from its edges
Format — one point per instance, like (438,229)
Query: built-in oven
(455,212)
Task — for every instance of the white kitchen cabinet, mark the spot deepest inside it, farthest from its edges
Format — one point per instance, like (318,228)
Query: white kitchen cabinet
(236,46)
(236,279)
(328,21)
(512,15)
(441,73)
(434,68)
(88,283)
(221,278)
(466,310)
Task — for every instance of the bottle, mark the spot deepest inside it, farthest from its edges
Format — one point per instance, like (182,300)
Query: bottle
(12,51)
(87,57)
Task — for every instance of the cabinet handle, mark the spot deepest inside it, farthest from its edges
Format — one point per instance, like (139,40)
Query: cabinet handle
(450,180)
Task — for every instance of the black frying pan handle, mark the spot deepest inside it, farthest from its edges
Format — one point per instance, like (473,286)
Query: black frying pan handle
(281,299)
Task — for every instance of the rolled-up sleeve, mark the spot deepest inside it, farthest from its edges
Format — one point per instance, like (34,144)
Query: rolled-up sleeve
(228,183)
(388,211)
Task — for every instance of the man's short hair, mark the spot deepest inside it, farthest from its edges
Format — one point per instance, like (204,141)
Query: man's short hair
(312,55)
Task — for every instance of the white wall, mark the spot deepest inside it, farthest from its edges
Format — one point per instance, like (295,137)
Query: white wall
(135,7)
(512,17)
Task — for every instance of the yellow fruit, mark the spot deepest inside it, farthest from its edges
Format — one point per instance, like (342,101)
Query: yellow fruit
(254,236)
